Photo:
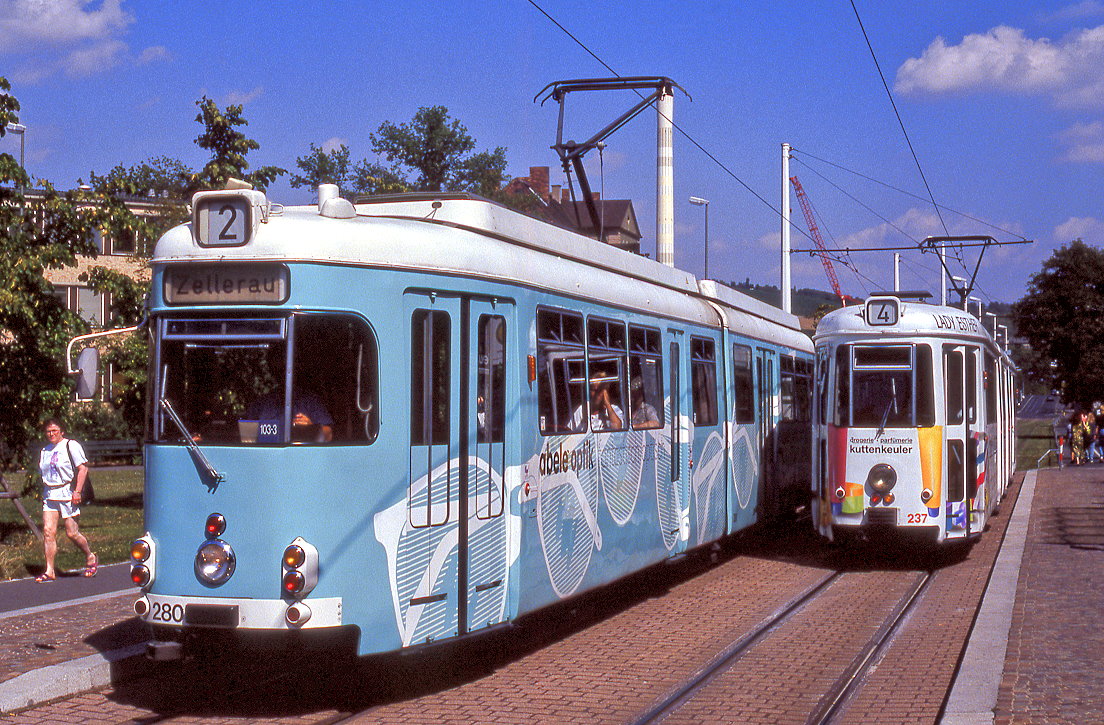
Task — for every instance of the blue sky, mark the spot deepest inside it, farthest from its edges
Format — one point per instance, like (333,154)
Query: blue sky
(1003,102)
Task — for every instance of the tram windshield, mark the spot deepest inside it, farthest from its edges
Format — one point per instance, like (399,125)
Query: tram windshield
(305,379)
(885,386)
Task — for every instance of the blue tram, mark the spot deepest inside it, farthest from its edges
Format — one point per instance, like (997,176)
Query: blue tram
(420,416)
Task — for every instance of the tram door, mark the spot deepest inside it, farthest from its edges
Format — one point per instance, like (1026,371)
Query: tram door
(767,438)
(452,554)
(960,376)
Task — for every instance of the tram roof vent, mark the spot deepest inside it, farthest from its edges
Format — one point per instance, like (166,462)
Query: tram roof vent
(330,203)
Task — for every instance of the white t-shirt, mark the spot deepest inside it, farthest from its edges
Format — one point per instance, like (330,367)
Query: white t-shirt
(57,470)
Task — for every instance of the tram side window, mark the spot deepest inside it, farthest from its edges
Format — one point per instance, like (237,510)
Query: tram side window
(491,400)
(971,385)
(607,353)
(345,380)
(703,371)
(743,384)
(992,389)
(561,369)
(952,384)
(787,388)
(645,378)
(822,384)
(430,384)
(925,387)
(803,396)
(843,386)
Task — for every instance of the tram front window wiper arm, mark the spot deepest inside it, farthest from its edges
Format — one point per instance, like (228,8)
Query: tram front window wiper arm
(189,440)
(890,405)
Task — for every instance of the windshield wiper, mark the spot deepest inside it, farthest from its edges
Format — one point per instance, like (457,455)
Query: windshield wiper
(891,405)
(215,476)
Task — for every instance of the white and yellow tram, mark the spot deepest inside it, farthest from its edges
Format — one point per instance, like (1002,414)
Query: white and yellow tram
(914,421)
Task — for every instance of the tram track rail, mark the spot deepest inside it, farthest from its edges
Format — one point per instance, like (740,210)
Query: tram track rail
(836,697)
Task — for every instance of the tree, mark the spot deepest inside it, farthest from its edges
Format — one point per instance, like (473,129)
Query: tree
(160,177)
(1062,317)
(438,149)
(229,147)
(37,233)
(322,167)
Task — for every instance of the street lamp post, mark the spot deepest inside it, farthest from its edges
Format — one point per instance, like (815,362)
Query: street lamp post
(698,201)
(20,129)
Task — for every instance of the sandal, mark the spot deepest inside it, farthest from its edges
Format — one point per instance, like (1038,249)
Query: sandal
(43,579)
(90,570)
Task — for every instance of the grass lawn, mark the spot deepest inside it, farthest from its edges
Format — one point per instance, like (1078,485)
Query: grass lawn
(111,523)
(1028,450)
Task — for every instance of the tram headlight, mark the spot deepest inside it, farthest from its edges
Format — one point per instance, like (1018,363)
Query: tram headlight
(214,563)
(300,569)
(881,479)
(143,561)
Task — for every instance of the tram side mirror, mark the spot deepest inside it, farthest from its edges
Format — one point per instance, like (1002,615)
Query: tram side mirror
(88,373)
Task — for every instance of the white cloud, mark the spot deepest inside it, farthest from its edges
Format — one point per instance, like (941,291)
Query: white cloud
(153,54)
(242,98)
(1005,59)
(77,38)
(1084,142)
(333,144)
(1078,11)
(1086,228)
(26,24)
(93,59)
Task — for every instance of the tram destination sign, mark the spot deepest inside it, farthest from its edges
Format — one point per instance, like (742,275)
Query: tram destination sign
(226,284)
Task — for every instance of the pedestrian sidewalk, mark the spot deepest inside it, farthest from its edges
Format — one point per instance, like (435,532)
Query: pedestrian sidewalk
(59,649)
(1034,652)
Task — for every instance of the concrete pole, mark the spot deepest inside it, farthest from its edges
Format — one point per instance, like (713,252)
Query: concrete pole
(786,304)
(942,276)
(665,178)
(896,272)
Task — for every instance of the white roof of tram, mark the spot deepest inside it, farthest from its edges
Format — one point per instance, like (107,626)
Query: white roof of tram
(458,234)
(914,319)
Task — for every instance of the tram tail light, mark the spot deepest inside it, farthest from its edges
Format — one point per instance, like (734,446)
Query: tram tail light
(143,561)
(300,569)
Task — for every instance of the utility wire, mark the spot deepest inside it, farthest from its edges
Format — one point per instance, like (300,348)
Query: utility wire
(899,119)
(905,192)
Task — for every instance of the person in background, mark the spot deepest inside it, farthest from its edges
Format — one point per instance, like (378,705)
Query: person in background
(64,468)
(1079,434)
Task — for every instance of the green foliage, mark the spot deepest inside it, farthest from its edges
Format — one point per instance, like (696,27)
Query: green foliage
(128,355)
(228,147)
(438,149)
(160,177)
(372,178)
(47,231)
(322,167)
(1062,317)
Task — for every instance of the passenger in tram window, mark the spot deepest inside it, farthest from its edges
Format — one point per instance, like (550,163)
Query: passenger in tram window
(644,415)
(605,414)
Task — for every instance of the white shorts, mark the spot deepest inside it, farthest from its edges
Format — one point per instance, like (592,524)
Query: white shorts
(65,508)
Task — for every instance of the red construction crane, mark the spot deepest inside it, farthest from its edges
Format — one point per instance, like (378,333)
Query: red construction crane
(807,209)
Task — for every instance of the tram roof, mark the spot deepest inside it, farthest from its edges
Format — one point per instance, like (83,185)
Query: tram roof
(915,319)
(465,235)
